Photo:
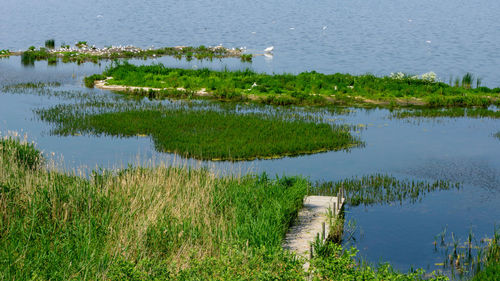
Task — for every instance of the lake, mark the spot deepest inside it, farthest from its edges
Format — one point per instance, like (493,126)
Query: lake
(447,37)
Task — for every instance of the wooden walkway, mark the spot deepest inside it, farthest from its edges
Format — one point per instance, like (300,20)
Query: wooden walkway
(311,221)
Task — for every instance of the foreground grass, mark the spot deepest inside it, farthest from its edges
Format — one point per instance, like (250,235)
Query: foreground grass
(309,88)
(60,227)
(165,223)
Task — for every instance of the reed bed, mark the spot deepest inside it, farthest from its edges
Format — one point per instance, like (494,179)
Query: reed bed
(380,189)
(308,88)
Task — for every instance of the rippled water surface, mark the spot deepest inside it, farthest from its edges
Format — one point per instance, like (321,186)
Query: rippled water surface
(449,37)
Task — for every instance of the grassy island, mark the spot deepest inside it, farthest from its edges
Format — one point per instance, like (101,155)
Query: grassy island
(163,223)
(82,52)
(308,88)
(206,134)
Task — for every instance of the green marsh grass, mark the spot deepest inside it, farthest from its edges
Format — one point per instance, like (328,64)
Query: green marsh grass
(308,88)
(479,259)
(447,112)
(162,223)
(380,189)
(205,134)
(50,43)
(497,135)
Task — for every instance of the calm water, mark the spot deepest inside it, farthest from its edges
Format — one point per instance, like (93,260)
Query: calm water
(360,36)
(449,37)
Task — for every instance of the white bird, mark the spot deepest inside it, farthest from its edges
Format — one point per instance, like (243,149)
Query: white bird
(428,41)
(324,27)
(269,49)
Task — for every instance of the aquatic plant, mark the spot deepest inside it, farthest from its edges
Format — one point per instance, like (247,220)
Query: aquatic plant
(380,189)
(81,44)
(50,43)
(447,112)
(471,257)
(4,52)
(467,80)
(246,58)
(309,88)
(203,134)
(29,86)
(497,135)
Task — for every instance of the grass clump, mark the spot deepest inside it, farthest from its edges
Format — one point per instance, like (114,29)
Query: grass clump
(306,88)
(23,154)
(497,135)
(4,52)
(206,134)
(380,189)
(50,43)
(89,81)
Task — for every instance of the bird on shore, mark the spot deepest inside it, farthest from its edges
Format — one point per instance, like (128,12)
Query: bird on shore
(269,49)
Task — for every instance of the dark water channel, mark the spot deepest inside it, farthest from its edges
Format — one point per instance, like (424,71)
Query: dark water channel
(460,150)
(448,37)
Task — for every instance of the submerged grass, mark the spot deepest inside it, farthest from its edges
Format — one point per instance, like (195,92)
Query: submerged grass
(205,134)
(470,258)
(447,112)
(380,189)
(304,88)
(164,223)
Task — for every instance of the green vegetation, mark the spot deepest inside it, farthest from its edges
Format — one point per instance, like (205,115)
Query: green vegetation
(203,134)
(23,154)
(246,58)
(83,53)
(309,88)
(380,189)
(166,223)
(81,44)
(4,52)
(447,112)
(30,86)
(471,258)
(497,135)
(50,44)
